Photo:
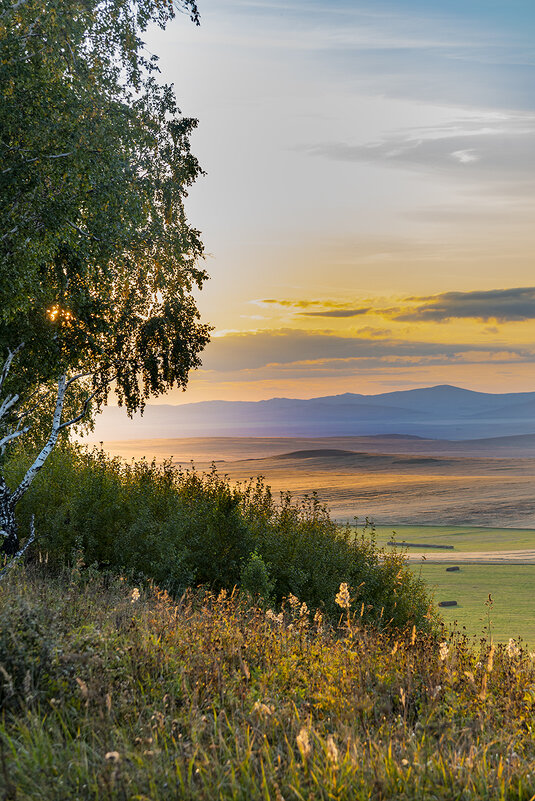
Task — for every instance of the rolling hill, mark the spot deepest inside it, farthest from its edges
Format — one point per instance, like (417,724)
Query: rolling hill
(440,412)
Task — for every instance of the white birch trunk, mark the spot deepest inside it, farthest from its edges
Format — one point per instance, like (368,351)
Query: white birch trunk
(9,540)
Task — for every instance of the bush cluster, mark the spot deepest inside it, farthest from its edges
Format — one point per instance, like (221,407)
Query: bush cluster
(183,528)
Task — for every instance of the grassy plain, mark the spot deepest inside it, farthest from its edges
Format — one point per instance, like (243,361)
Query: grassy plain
(117,695)
(463,538)
(512,612)
(404,485)
(511,586)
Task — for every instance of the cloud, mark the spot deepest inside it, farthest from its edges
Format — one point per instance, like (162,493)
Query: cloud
(516,304)
(495,148)
(329,308)
(268,353)
(502,305)
(465,156)
(338,312)
(298,304)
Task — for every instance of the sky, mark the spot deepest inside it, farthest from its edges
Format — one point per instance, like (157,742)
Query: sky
(369,197)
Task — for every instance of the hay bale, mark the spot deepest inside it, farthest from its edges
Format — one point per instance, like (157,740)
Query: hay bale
(452,569)
(447,603)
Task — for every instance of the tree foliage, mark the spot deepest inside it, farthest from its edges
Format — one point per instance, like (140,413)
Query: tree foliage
(98,261)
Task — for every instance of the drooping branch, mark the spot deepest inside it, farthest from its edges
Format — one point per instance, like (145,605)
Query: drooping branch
(7,404)
(19,432)
(82,414)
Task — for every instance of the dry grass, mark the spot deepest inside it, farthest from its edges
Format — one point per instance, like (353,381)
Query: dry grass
(110,696)
(413,482)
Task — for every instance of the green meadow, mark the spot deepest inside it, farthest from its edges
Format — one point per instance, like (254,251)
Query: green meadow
(511,586)
(463,538)
(512,612)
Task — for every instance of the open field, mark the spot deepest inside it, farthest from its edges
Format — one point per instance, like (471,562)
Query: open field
(512,613)
(465,540)
(393,487)
(491,560)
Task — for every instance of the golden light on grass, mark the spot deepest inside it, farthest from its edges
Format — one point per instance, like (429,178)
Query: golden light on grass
(342,597)
(304,715)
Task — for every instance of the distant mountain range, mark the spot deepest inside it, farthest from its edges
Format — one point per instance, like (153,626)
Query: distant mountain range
(444,412)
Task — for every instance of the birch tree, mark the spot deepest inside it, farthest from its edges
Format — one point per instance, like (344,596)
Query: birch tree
(98,262)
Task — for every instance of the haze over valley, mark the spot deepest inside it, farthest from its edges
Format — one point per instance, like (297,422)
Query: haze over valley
(443,412)
(366,456)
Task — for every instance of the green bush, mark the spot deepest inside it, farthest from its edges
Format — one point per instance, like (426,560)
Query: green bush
(183,528)
(255,578)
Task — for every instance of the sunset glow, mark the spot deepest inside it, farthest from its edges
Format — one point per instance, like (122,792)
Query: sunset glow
(368,203)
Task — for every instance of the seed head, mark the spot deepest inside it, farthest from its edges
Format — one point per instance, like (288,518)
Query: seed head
(512,650)
(342,597)
(303,743)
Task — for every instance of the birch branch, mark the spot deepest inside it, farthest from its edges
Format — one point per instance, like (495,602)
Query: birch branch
(83,233)
(49,445)
(11,436)
(82,413)
(7,364)
(7,404)
(20,553)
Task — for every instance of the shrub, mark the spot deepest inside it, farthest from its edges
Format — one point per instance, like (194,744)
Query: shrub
(184,528)
(255,578)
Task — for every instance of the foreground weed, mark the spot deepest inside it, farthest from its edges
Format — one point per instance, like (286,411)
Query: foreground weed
(133,695)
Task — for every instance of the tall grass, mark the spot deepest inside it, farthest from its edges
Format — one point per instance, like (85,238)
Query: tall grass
(184,529)
(109,693)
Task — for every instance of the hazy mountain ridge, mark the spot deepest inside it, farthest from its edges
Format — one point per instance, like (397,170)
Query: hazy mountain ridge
(444,412)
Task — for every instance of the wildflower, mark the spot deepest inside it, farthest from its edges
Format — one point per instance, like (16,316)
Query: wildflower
(332,750)
(443,651)
(222,595)
(292,600)
(512,650)
(112,756)
(318,619)
(303,610)
(262,709)
(303,743)
(278,795)
(135,595)
(342,597)
(278,619)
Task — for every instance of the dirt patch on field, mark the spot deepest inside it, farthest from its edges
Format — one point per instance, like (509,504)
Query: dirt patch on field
(475,557)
